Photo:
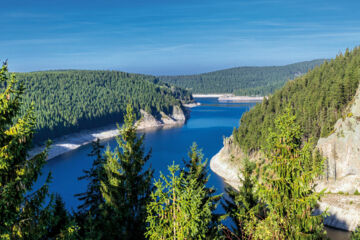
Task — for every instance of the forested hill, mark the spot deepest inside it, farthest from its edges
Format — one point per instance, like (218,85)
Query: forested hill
(245,81)
(319,98)
(72,100)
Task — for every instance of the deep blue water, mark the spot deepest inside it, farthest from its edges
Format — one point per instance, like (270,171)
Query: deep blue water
(207,126)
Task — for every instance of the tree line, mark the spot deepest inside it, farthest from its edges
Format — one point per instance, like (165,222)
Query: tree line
(319,98)
(242,81)
(122,200)
(72,100)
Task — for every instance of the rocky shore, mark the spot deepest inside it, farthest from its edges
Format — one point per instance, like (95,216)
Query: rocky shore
(343,208)
(147,122)
(342,168)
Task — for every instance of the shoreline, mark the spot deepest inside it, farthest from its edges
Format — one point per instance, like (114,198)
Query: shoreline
(343,209)
(211,95)
(70,142)
(228,97)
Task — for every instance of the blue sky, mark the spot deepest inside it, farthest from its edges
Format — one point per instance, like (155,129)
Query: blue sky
(173,37)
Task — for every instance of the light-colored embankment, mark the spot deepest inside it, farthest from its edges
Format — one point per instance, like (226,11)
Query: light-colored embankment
(191,105)
(227,97)
(148,122)
(343,210)
(211,95)
(342,151)
(225,165)
(342,168)
(240,99)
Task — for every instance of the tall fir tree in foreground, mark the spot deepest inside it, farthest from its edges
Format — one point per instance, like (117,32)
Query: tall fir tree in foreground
(242,203)
(61,225)
(92,211)
(287,186)
(126,186)
(23,215)
(195,169)
(177,209)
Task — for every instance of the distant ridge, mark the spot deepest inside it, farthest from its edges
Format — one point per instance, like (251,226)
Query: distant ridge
(245,81)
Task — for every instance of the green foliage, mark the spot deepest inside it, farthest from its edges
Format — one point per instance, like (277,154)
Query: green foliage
(318,99)
(286,186)
(60,222)
(249,81)
(22,212)
(92,198)
(126,186)
(356,234)
(177,209)
(71,100)
(195,169)
(243,203)
(92,212)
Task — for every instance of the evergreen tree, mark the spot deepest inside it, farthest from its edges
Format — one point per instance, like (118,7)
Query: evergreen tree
(23,215)
(60,219)
(356,234)
(287,186)
(177,209)
(126,186)
(319,98)
(72,100)
(240,204)
(242,81)
(195,169)
(92,211)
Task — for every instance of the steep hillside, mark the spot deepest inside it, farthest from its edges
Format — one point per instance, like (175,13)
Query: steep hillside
(342,151)
(69,101)
(318,98)
(327,105)
(245,81)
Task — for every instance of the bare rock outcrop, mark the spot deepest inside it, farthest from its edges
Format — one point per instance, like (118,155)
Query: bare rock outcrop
(224,164)
(343,210)
(178,114)
(149,121)
(228,162)
(342,168)
(342,152)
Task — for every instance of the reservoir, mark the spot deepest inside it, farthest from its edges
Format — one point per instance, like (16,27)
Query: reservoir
(208,124)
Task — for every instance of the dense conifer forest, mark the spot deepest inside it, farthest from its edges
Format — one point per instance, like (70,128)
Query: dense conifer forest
(319,99)
(124,201)
(275,200)
(71,100)
(242,81)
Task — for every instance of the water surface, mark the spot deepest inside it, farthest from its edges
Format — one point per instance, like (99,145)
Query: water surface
(208,124)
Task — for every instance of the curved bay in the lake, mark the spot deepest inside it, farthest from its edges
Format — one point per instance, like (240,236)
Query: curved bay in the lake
(207,126)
